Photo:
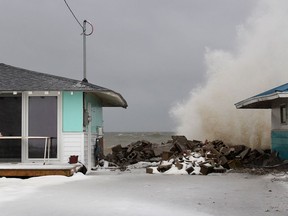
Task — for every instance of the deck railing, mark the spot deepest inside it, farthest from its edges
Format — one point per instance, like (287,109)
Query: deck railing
(46,146)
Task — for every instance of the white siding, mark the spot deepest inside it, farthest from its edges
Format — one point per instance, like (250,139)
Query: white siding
(93,140)
(72,144)
(85,161)
(89,151)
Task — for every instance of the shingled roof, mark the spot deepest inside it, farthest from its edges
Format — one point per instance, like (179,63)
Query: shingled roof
(19,79)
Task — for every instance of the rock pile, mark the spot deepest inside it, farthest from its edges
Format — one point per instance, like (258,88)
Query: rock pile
(191,156)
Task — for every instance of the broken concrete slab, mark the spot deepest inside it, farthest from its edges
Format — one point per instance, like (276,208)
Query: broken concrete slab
(164,167)
(206,169)
(116,149)
(189,169)
(149,170)
(193,156)
(179,165)
(235,164)
(166,155)
(244,153)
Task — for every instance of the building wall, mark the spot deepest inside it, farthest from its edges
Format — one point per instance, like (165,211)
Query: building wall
(72,126)
(72,111)
(77,140)
(72,144)
(89,151)
(279,140)
(96,112)
(279,132)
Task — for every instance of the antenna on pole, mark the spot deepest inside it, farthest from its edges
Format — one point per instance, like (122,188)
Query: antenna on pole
(85,34)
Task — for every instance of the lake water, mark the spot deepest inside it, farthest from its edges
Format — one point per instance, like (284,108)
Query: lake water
(125,138)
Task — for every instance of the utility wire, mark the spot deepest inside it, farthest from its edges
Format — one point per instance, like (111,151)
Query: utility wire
(73,14)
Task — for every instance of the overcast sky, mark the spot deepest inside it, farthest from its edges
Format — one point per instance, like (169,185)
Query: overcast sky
(150,51)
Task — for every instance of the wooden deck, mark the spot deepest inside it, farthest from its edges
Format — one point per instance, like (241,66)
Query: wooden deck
(34,170)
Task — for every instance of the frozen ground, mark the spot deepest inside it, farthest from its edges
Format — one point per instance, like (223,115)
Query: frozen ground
(137,193)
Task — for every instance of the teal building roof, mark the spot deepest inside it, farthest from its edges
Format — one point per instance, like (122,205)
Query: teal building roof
(265,99)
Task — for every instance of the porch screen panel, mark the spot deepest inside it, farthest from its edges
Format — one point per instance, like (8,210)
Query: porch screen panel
(42,121)
(10,125)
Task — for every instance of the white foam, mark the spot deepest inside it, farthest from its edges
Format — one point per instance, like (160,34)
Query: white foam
(258,63)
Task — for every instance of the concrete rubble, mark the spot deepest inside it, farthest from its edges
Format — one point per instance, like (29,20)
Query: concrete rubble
(182,156)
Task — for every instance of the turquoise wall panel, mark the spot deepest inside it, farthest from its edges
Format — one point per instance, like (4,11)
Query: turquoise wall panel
(96,111)
(279,141)
(72,112)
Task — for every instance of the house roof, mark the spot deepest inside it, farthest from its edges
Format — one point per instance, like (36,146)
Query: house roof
(265,99)
(19,79)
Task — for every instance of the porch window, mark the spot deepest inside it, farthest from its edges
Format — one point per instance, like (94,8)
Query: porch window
(10,125)
(283,113)
(42,121)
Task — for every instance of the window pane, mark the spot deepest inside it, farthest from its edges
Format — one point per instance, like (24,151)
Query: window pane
(42,122)
(283,113)
(10,125)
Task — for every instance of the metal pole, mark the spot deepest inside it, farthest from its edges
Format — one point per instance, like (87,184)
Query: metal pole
(84,51)
(45,150)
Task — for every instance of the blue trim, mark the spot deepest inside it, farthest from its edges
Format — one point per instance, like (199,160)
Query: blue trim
(282,88)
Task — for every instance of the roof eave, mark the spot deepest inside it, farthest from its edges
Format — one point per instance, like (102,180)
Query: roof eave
(261,102)
(111,99)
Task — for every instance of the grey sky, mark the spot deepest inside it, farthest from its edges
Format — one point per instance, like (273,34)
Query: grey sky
(150,51)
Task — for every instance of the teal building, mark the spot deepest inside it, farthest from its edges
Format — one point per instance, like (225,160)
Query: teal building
(47,117)
(275,99)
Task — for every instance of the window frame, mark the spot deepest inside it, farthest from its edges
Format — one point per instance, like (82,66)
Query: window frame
(25,125)
(283,114)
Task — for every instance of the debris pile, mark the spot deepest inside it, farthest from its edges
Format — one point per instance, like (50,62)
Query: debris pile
(136,152)
(184,156)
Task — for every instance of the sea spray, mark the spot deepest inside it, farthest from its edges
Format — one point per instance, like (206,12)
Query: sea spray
(258,62)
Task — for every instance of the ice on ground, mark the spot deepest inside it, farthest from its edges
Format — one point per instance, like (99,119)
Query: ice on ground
(175,171)
(15,188)
(138,193)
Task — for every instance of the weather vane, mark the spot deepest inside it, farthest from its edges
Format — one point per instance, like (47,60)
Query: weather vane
(85,34)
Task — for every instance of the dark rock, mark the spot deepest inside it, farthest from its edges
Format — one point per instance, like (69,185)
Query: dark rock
(244,153)
(166,155)
(206,169)
(149,170)
(179,165)
(190,169)
(235,164)
(164,168)
(116,149)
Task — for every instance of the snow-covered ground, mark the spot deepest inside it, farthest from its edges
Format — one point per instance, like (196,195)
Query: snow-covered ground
(138,193)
